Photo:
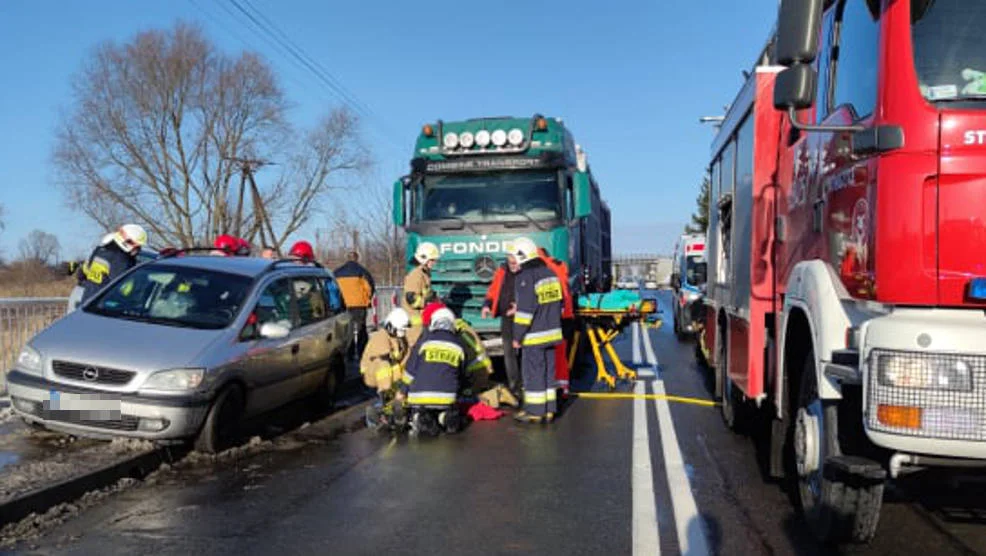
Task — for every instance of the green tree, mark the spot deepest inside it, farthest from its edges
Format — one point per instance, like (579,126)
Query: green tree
(700,219)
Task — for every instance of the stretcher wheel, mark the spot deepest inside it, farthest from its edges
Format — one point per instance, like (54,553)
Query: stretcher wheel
(600,386)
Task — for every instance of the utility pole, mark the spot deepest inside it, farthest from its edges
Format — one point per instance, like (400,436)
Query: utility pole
(247,168)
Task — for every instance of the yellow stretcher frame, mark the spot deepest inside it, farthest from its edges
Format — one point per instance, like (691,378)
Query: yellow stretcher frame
(602,327)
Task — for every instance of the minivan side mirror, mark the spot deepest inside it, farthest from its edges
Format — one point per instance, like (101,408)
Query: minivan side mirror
(274,331)
(582,194)
(398,207)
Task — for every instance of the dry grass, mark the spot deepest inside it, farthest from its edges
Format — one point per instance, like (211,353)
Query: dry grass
(52,288)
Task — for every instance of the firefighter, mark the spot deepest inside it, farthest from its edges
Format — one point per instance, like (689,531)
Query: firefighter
(499,302)
(303,251)
(225,245)
(417,284)
(382,368)
(358,289)
(479,366)
(537,329)
(433,376)
(560,269)
(116,254)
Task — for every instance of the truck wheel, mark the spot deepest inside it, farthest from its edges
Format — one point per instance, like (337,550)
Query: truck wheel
(837,510)
(724,387)
(221,425)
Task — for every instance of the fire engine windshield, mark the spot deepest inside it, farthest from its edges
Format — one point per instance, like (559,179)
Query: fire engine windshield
(948,49)
(695,270)
(506,197)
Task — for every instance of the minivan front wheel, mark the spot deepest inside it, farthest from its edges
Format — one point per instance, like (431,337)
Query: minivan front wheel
(223,421)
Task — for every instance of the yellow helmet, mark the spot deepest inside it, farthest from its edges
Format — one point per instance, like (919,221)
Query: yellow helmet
(130,238)
(425,252)
(524,250)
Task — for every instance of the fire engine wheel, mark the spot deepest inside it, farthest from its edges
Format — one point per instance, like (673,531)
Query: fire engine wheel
(727,405)
(836,510)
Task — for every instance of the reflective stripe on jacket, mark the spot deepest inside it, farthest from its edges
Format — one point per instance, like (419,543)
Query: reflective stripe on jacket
(539,306)
(433,371)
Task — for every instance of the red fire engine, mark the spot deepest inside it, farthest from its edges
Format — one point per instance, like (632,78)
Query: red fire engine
(847,250)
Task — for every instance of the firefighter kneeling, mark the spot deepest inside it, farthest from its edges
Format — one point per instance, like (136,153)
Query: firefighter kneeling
(382,367)
(435,371)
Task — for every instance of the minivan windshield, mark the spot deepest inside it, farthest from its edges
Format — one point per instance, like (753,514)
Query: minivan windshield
(948,49)
(174,296)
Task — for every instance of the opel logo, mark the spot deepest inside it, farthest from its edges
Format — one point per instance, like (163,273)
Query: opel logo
(90,374)
(485,267)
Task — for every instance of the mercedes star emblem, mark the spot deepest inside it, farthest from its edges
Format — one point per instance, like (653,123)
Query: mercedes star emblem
(90,374)
(485,267)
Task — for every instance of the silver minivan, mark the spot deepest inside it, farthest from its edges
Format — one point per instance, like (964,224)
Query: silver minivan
(184,348)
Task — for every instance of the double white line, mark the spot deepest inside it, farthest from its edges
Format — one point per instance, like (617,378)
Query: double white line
(646,535)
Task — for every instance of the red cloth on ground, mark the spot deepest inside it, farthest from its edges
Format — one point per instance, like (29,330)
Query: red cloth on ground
(482,412)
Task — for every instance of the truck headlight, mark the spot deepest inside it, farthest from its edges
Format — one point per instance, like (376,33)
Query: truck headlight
(466,140)
(515,137)
(29,360)
(175,380)
(483,138)
(934,372)
(499,137)
(451,140)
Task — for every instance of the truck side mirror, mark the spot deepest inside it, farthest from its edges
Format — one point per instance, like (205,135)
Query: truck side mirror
(398,207)
(582,194)
(798,24)
(794,88)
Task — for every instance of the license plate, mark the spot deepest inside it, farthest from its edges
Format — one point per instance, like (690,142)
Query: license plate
(64,401)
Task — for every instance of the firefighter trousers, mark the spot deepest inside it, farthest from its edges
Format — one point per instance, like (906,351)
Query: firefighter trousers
(538,368)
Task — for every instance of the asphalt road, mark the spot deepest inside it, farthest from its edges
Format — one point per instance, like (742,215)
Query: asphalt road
(609,477)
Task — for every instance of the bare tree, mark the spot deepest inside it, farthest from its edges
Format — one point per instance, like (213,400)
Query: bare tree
(41,247)
(166,131)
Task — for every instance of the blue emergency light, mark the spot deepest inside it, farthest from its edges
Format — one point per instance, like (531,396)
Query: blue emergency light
(977,289)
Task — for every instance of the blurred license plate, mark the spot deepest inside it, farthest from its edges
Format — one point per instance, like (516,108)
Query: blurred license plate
(63,401)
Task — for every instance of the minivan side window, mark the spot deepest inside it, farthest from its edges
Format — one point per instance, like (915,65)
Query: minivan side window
(312,307)
(274,305)
(855,58)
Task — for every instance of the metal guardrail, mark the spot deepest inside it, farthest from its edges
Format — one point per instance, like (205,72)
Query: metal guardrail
(22,318)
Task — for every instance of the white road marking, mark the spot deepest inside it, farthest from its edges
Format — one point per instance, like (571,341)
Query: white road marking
(646,538)
(637,360)
(691,534)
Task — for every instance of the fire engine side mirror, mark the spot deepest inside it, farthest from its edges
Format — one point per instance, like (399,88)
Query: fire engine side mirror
(582,194)
(398,207)
(794,88)
(798,24)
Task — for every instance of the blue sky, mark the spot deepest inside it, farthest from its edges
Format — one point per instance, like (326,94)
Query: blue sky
(631,78)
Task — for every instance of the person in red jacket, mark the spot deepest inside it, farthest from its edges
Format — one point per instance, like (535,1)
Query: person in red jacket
(562,372)
(499,302)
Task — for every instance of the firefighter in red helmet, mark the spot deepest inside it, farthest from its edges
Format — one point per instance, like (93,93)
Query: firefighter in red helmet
(302,250)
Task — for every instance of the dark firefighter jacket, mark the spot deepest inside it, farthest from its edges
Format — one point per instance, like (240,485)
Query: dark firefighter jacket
(434,369)
(105,264)
(539,306)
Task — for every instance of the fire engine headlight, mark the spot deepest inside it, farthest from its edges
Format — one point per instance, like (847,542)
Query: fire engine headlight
(450,140)
(466,139)
(516,137)
(934,372)
(483,138)
(499,138)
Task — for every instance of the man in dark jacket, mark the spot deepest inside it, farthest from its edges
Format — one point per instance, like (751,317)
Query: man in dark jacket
(499,302)
(537,329)
(358,288)
(116,254)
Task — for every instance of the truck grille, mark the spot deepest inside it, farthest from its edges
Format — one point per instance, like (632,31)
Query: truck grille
(91,373)
(921,410)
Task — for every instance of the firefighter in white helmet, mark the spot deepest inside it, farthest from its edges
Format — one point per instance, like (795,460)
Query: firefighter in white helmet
(382,368)
(417,284)
(116,254)
(537,330)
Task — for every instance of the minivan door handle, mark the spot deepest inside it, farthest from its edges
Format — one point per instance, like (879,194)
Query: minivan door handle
(328,337)
(295,349)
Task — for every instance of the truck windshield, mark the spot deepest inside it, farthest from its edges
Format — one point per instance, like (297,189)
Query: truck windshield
(695,269)
(506,197)
(174,296)
(948,49)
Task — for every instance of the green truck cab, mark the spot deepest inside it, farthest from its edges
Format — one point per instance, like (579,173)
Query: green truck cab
(478,184)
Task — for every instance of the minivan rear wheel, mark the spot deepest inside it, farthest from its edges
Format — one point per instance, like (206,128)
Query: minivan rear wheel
(220,427)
